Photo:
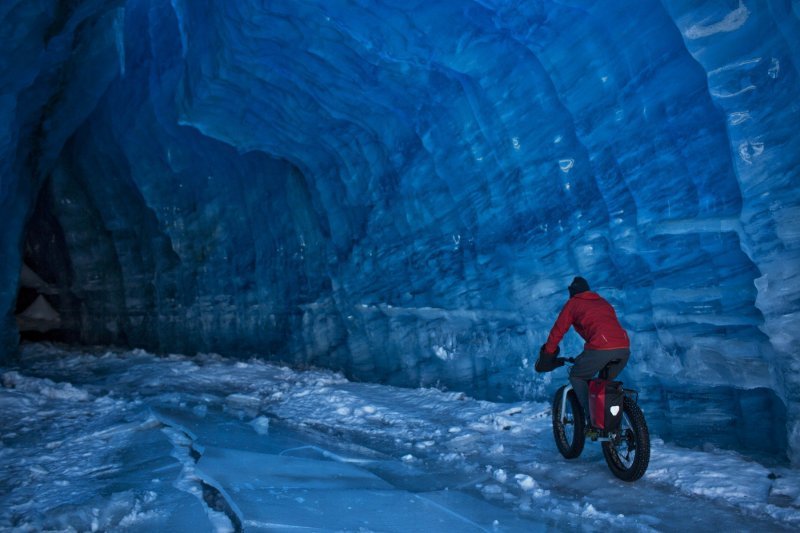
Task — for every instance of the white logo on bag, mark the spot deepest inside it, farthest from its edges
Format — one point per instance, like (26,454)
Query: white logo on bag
(614,410)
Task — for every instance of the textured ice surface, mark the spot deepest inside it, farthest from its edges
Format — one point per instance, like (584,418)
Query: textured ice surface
(130,441)
(402,190)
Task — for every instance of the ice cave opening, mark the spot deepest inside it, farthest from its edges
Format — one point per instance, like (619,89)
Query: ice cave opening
(45,309)
(70,288)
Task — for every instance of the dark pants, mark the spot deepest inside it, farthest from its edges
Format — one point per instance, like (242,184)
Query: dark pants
(586,367)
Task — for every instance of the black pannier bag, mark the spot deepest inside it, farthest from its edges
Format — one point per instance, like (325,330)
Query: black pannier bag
(605,404)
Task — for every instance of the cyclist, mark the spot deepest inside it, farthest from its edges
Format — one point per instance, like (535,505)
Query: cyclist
(596,322)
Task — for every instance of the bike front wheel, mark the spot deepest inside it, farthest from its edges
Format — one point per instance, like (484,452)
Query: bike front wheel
(628,453)
(568,429)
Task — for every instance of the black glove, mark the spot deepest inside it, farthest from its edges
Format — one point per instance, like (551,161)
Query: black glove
(543,352)
(548,362)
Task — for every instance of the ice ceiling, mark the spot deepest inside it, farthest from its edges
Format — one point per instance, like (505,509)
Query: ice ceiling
(403,190)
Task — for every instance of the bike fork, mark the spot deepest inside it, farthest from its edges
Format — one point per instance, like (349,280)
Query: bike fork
(564,402)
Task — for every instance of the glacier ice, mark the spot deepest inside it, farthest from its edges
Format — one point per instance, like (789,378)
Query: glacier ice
(402,190)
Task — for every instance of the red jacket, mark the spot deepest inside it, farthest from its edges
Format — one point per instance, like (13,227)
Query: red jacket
(594,320)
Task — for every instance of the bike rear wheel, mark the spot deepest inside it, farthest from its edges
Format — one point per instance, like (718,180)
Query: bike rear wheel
(568,429)
(628,454)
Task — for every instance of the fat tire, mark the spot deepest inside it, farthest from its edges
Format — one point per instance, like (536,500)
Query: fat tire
(639,436)
(569,449)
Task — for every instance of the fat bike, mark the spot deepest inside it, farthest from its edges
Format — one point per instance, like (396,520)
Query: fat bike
(626,447)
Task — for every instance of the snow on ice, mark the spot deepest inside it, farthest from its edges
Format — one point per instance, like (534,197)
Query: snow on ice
(136,442)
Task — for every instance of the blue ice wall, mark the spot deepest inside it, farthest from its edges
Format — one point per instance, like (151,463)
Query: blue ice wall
(403,190)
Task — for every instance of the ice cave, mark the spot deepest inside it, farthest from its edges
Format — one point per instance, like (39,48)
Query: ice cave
(401,191)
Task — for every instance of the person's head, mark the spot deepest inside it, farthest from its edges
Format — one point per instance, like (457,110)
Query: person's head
(578,286)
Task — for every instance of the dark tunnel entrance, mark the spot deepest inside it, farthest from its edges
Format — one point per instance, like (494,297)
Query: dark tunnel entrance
(46,309)
(54,302)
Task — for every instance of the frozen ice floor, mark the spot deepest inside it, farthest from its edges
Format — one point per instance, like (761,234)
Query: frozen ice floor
(127,441)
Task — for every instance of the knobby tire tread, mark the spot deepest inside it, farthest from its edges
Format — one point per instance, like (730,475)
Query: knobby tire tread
(642,459)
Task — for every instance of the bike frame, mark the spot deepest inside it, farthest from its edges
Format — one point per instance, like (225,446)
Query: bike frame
(564,409)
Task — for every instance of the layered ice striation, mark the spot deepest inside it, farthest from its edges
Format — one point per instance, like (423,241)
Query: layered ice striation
(403,190)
